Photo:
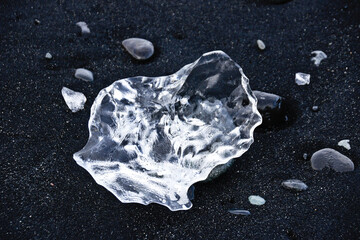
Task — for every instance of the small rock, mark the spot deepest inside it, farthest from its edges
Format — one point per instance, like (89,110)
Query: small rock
(331,158)
(84,74)
(302,78)
(305,156)
(260,44)
(256,200)
(84,27)
(239,212)
(74,100)
(315,108)
(294,184)
(37,21)
(345,143)
(48,56)
(319,56)
(139,48)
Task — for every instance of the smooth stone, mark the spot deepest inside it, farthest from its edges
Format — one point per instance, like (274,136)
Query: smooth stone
(331,158)
(256,200)
(294,184)
(84,74)
(139,48)
(260,44)
(74,100)
(239,212)
(305,156)
(302,78)
(345,143)
(315,108)
(48,56)
(37,21)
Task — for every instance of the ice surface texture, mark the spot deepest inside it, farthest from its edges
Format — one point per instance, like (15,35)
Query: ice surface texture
(74,100)
(151,138)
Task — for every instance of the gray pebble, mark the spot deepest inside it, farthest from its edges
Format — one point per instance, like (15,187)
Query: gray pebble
(84,28)
(139,48)
(305,156)
(331,158)
(84,74)
(256,200)
(37,21)
(294,184)
(48,56)
(315,108)
(261,44)
(239,212)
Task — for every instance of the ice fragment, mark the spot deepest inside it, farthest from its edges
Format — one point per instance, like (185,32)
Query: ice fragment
(315,108)
(345,143)
(261,44)
(48,56)
(294,184)
(148,145)
(256,200)
(239,212)
(74,100)
(302,78)
(84,27)
(319,56)
(139,48)
(331,158)
(84,74)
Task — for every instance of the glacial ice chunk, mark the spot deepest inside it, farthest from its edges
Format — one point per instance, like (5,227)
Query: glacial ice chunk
(84,27)
(74,100)
(345,143)
(152,138)
(319,56)
(302,78)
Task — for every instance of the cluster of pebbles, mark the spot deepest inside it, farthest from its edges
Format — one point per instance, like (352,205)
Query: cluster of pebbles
(142,49)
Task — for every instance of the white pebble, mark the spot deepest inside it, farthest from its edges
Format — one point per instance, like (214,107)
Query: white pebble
(256,200)
(84,74)
(261,44)
(319,56)
(74,100)
(302,78)
(345,143)
(139,48)
(84,27)
(48,56)
(294,184)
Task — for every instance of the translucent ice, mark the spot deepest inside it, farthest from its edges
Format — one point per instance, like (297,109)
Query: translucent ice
(84,74)
(151,138)
(302,78)
(84,27)
(74,100)
(345,143)
(139,48)
(319,56)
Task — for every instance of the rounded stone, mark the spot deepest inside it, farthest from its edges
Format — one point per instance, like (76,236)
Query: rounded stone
(256,200)
(294,184)
(331,158)
(139,48)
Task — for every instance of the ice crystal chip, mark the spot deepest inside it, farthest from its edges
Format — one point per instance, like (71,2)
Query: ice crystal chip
(74,100)
(151,138)
(48,56)
(331,158)
(319,56)
(84,74)
(139,48)
(261,44)
(302,78)
(294,184)
(345,143)
(256,200)
(84,27)
(239,212)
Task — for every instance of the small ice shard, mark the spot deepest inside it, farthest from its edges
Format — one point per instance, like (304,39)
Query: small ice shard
(260,44)
(256,200)
(84,27)
(302,78)
(294,184)
(331,158)
(319,56)
(84,74)
(139,48)
(152,138)
(345,143)
(74,100)
(239,212)
(48,56)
